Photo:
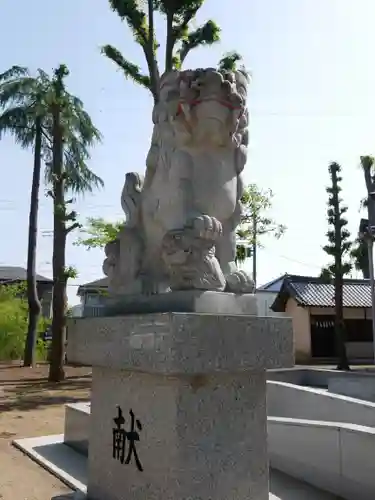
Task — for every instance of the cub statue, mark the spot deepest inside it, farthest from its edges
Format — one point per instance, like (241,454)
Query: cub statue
(180,230)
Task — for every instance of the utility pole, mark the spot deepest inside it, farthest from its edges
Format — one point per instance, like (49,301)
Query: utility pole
(254,249)
(366,233)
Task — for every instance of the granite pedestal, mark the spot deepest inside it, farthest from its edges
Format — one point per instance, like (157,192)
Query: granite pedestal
(188,301)
(196,387)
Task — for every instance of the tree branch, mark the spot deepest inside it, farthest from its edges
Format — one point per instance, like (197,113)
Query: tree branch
(71,228)
(151,58)
(130,69)
(207,34)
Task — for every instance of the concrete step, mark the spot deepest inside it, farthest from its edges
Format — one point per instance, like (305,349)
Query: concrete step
(70,467)
(333,456)
(294,401)
(76,430)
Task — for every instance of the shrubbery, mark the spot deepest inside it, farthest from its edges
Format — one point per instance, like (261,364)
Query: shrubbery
(13,324)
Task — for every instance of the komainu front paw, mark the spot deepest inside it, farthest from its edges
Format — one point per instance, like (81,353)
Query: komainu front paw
(206,227)
(240,282)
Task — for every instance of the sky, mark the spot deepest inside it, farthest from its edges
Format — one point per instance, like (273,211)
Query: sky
(311,101)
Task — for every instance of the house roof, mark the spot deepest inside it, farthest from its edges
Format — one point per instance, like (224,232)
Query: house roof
(313,292)
(14,273)
(274,285)
(99,284)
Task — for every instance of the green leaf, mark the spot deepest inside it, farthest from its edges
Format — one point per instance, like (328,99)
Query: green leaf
(326,275)
(254,221)
(337,234)
(359,256)
(180,9)
(229,61)
(19,123)
(13,73)
(98,232)
(130,70)
(207,34)
(135,17)
(367,162)
(346,268)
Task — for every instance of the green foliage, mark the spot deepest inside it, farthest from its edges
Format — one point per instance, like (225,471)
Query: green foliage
(40,106)
(339,245)
(359,252)
(180,38)
(359,256)
(338,248)
(229,61)
(23,98)
(208,34)
(71,273)
(367,165)
(13,323)
(98,232)
(367,162)
(131,71)
(135,17)
(254,221)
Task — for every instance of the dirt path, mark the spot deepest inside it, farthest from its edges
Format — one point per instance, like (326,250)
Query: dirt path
(31,407)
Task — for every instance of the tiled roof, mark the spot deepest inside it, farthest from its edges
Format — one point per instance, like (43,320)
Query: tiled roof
(323,295)
(14,273)
(313,292)
(274,285)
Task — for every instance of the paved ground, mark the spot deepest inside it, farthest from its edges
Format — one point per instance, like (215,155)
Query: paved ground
(29,407)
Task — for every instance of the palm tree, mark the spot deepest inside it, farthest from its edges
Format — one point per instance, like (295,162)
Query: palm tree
(72,133)
(22,114)
(26,105)
(180,41)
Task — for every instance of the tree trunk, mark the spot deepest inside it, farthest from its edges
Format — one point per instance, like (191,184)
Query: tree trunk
(32,291)
(56,371)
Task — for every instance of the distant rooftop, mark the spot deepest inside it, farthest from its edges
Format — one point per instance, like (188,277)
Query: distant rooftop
(274,285)
(100,284)
(311,291)
(308,291)
(14,273)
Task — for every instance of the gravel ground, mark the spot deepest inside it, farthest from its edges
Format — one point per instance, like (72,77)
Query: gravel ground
(30,407)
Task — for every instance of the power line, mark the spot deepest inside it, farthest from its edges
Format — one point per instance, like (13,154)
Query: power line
(306,264)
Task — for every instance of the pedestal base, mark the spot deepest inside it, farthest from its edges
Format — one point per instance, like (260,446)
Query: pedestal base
(178,406)
(194,301)
(202,437)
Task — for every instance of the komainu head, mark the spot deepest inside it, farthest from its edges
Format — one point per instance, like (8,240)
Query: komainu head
(206,108)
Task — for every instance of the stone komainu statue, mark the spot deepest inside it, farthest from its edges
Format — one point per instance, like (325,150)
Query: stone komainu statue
(181,221)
